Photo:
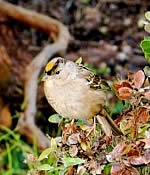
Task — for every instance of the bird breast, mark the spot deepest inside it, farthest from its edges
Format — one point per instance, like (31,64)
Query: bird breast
(73,99)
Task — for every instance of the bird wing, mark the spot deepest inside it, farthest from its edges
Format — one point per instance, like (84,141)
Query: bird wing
(94,81)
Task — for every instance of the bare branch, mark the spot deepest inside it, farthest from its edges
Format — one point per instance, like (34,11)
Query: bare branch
(61,37)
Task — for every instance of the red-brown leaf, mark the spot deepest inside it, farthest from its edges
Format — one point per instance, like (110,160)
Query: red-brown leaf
(124,93)
(147,143)
(139,79)
(144,115)
(126,84)
(133,152)
(116,168)
(118,150)
(147,95)
(147,156)
(117,86)
(130,75)
(136,160)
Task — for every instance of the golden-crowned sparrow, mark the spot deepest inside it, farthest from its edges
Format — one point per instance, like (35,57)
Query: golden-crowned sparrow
(73,90)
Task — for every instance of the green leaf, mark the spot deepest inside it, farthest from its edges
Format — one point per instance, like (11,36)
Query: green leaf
(109,148)
(147,38)
(46,167)
(147,71)
(81,122)
(145,45)
(79,60)
(142,130)
(68,161)
(117,109)
(123,129)
(55,118)
(18,159)
(85,173)
(98,71)
(62,173)
(147,27)
(126,105)
(53,144)
(147,15)
(45,154)
(147,56)
(107,169)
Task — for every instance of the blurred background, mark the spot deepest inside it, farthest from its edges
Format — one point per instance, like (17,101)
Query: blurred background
(105,33)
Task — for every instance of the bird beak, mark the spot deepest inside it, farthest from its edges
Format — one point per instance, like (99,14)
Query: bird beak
(45,77)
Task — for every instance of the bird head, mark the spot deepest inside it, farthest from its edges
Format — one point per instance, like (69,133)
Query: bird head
(53,67)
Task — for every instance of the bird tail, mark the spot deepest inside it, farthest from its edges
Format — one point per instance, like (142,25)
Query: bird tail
(108,125)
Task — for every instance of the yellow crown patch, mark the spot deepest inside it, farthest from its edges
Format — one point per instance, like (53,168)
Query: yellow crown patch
(50,65)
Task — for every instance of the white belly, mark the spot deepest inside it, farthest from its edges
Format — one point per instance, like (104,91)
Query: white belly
(74,99)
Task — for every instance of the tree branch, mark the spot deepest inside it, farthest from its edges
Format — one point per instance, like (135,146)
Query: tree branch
(59,33)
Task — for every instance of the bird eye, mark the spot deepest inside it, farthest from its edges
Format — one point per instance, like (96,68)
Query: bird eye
(48,73)
(57,72)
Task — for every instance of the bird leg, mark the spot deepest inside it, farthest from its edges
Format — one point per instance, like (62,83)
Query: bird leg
(93,128)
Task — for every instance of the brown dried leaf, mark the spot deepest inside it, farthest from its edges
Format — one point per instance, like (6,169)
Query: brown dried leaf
(31,158)
(95,168)
(143,115)
(73,150)
(85,145)
(81,170)
(139,160)
(117,86)
(136,160)
(73,139)
(133,152)
(126,84)
(139,79)
(122,84)
(124,93)
(118,150)
(131,171)
(5,116)
(130,75)
(147,143)
(116,168)
(70,171)
(147,156)
(147,95)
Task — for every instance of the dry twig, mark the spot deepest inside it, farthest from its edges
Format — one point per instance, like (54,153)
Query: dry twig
(61,37)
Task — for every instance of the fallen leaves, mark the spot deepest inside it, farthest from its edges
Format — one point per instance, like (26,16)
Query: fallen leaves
(81,151)
(134,124)
(117,152)
(139,160)
(128,89)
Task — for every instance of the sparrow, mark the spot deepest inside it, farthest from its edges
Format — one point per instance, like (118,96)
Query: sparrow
(74,91)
